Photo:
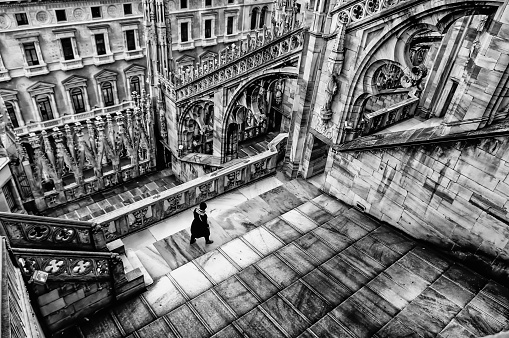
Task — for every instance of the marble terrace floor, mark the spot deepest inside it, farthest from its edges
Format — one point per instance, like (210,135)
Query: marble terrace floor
(289,261)
(106,201)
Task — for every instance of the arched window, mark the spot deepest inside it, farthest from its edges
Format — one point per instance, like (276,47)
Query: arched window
(78,102)
(254,16)
(107,92)
(135,84)
(44,105)
(12,114)
(263,13)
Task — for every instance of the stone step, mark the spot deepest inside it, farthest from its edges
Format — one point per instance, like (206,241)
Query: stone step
(136,263)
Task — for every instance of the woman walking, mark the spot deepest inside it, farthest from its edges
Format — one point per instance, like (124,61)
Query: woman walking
(200,225)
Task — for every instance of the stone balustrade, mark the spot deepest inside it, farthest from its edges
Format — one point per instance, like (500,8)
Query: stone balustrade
(65,119)
(236,60)
(352,11)
(387,116)
(141,214)
(28,231)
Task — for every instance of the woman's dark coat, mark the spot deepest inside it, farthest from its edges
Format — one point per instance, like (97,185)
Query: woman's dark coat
(199,227)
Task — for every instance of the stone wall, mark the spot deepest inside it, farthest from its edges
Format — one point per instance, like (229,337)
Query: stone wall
(454,195)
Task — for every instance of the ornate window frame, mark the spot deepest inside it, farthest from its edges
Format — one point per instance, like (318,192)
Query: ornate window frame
(39,69)
(71,34)
(4,73)
(11,96)
(138,51)
(108,57)
(189,44)
(185,61)
(213,38)
(235,14)
(132,71)
(39,89)
(75,81)
(106,76)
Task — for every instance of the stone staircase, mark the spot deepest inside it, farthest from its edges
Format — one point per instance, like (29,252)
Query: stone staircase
(293,262)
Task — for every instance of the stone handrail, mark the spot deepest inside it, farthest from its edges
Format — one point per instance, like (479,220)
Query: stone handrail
(17,318)
(236,61)
(37,126)
(357,10)
(28,231)
(141,214)
(64,265)
(387,116)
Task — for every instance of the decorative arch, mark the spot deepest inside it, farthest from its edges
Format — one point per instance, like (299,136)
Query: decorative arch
(444,15)
(196,127)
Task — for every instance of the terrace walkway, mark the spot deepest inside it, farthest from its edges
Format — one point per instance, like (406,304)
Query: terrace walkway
(289,261)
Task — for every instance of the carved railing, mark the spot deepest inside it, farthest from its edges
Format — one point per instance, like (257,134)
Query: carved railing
(143,213)
(37,126)
(27,231)
(236,60)
(61,265)
(385,117)
(357,10)
(17,318)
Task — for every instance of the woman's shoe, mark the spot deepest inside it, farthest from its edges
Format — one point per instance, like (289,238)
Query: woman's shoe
(209,242)
(193,240)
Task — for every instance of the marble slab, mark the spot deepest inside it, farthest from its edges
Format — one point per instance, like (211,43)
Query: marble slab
(258,283)
(478,322)
(377,250)
(491,307)
(327,287)
(216,266)
(262,240)
(224,202)
(396,328)
(302,189)
(452,291)
(387,289)
(361,219)
(259,187)
(297,258)
(314,247)
(258,211)
(345,273)
(395,241)
(299,221)
(215,314)
(382,309)
(315,213)
(234,222)
(240,253)
(256,324)
(411,285)
(139,240)
(151,259)
(237,296)
(317,180)
(454,330)
(292,322)
(329,328)
(279,272)
(163,296)
(330,204)
(228,332)
(104,326)
(281,199)
(497,293)
(436,259)
(335,240)
(172,225)
(356,318)
(362,262)
(158,328)
(282,230)
(191,279)
(186,323)
(466,278)
(176,249)
(132,314)
(420,267)
(306,301)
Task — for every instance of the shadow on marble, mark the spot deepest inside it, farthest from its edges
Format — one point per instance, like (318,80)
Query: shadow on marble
(139,240)
(176,249)
(259,187)
(151,259)
(172,225)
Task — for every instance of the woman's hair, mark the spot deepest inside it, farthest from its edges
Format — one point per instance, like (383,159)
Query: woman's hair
(203,205)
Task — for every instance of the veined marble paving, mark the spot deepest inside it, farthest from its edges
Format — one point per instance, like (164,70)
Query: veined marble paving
(320,269)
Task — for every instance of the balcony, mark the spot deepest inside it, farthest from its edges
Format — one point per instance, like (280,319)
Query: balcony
(133,54)
(36,126)
(185,45)
(71,64)
(36,70)
(209,41)
(103,59)
(231,37)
